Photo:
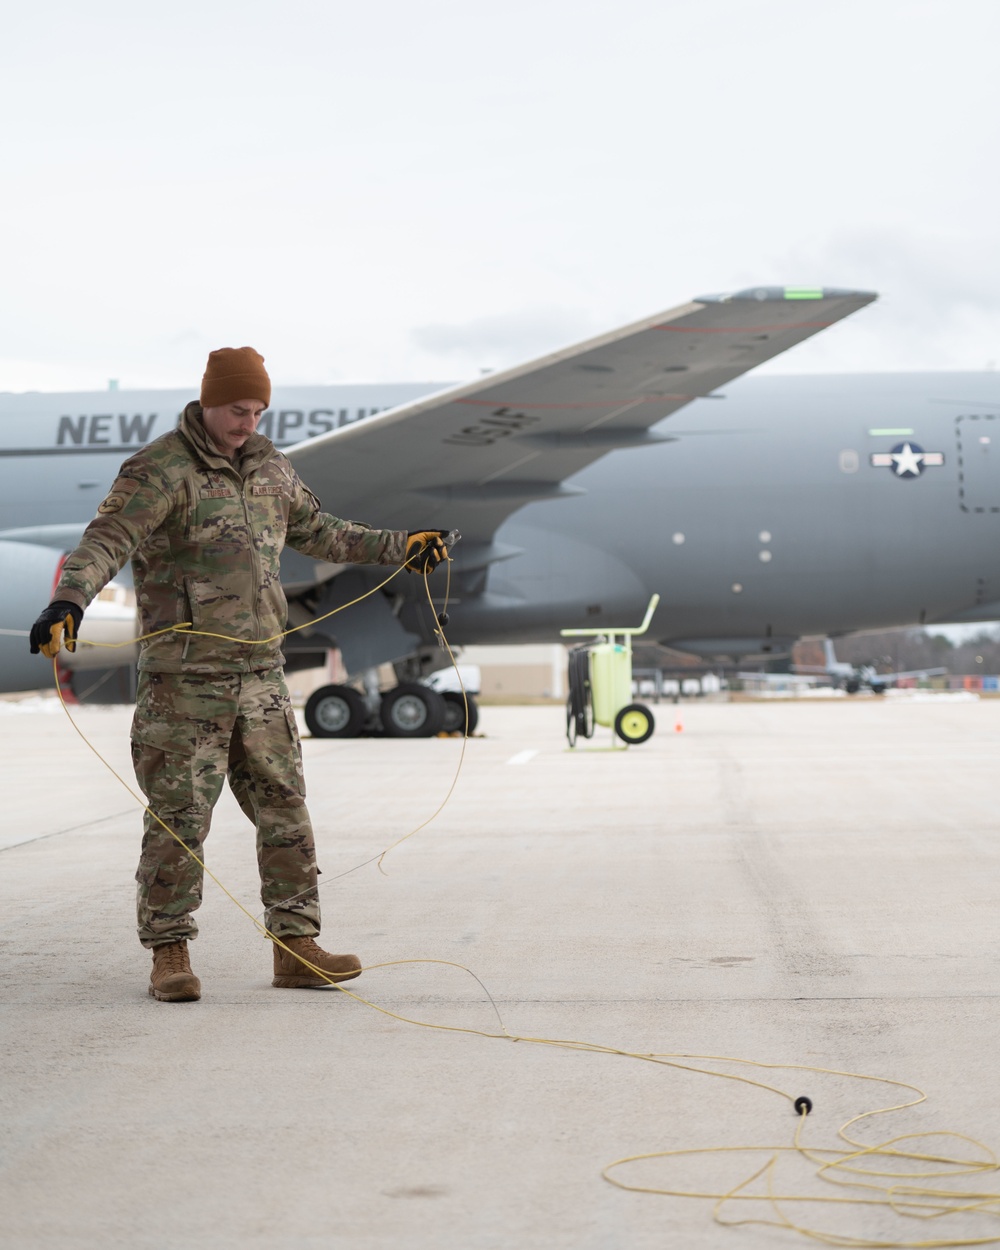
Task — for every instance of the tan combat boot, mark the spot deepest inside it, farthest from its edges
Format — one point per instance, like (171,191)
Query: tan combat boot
(290,974)
(172,980)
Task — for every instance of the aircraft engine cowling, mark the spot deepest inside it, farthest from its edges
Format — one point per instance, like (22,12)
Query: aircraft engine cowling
(111,621)
(28,574)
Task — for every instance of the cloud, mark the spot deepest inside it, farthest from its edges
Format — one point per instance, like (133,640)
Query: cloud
(922,274)
(937,308)
(501,339)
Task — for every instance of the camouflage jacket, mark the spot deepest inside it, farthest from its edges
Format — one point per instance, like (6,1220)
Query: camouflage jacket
(205,535)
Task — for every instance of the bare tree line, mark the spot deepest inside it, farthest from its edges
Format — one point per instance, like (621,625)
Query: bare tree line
(902,650)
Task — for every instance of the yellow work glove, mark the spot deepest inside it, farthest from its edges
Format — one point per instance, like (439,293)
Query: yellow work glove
(425,549)
(59,618)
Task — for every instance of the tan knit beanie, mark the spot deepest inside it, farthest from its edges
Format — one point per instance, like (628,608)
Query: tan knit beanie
(234,373)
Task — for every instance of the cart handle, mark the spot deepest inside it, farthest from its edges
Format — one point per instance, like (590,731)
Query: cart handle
(594,633)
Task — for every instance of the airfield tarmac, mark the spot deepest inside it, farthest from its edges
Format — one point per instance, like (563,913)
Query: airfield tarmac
(798,883)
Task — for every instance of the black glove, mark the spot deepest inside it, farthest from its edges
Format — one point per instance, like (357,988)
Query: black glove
(425,549)
(47,631)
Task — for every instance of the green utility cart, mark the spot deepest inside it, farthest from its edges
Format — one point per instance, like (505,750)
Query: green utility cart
(600,684)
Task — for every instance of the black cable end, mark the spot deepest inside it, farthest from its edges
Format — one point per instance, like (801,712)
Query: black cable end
(442,619)
(803,1105)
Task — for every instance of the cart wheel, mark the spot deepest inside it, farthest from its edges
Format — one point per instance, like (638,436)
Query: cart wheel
(634,723)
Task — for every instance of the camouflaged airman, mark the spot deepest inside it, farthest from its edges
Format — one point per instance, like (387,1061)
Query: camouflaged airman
(203,513)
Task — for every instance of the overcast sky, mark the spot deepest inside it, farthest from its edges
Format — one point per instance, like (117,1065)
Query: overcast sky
(394,190)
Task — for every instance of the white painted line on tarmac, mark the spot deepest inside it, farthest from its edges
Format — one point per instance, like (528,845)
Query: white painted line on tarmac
(522,757)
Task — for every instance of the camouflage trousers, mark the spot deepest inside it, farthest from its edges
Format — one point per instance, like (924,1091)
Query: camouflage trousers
(189,734)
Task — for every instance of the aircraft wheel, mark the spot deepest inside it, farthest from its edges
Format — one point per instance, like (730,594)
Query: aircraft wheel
(412,711)
(335,712)
(878,688)
(852,686)
(634,723)
(455,719)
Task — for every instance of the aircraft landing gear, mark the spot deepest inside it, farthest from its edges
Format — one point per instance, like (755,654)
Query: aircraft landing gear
(455,719)
(336,712)
(412,711)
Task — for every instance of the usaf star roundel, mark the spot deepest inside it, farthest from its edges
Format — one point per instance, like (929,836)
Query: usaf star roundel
(907,460)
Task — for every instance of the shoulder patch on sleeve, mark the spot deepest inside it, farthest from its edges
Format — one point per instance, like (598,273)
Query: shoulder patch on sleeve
(121,492)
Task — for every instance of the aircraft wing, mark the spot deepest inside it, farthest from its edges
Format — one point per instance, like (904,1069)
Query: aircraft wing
(469,456)
(913,672)
(779,679)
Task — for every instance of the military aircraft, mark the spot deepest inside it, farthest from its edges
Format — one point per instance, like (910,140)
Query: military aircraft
(833,674)
(854,677)
(582,483)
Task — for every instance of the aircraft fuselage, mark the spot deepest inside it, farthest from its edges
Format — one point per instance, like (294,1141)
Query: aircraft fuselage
(791,505)
(794,505)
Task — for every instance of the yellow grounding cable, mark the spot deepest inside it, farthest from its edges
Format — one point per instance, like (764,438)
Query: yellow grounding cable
(858,1165)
